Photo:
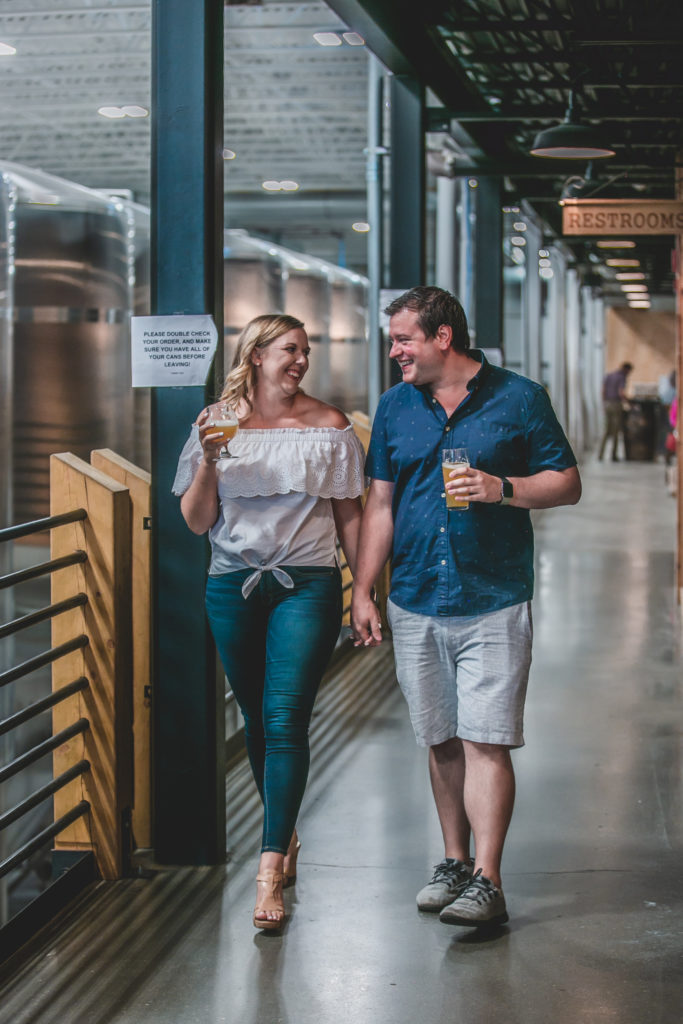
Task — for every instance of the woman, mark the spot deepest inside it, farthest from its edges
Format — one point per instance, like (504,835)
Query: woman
(273,595)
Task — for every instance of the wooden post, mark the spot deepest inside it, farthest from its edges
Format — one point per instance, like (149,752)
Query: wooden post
(105,662)
(138,482)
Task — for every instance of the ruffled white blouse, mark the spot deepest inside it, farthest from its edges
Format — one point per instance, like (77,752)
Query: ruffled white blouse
(274,498)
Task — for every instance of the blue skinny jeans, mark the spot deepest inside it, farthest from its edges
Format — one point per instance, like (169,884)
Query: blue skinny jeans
(275,646)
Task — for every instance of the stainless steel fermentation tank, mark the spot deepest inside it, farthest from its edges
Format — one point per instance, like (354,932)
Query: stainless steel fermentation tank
(261,277)
(77,267)
(71,293)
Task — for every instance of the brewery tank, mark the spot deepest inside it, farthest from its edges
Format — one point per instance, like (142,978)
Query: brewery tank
(72,290)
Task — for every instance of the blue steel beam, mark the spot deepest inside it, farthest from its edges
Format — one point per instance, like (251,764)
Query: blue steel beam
(187,268)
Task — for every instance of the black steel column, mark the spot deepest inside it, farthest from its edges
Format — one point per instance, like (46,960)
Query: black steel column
(187,273)
(488,272)
(407,199)
(407,196)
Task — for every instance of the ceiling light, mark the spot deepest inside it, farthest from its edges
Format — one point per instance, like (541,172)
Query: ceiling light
(635,275)
(634,287)
(472,182)
(570,140)
(519,225)
(289,186)
(622,263)
(543,253)
(546,273)
(133,110)
(353,39)
(229,154)
(510,209)
(327,38)
(544,263)
(614,243)
(642,304)
(361,227)
(271,186)
(113,112)
(518,240)
(6,50)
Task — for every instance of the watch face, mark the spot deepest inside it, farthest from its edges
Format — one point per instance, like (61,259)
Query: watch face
(507,488)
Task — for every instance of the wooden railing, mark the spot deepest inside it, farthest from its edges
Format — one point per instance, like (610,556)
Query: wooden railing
(116,619)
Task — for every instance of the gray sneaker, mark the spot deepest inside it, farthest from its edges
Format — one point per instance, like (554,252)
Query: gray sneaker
(477,904)
(449,878)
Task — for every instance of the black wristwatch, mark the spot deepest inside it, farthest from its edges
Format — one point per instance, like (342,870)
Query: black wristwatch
(506,492)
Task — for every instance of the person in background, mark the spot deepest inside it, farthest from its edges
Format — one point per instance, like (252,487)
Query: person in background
(462,580)
(613,398)
(666,392)
(273,595)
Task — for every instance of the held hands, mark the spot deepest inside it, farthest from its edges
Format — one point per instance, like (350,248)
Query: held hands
(474,485)
(365,621)
(211,442)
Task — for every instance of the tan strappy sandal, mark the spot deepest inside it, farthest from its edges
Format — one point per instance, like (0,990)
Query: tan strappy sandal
(289,868)
(269,898)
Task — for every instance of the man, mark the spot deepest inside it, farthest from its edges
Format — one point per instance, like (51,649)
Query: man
(462,580)
(613,397)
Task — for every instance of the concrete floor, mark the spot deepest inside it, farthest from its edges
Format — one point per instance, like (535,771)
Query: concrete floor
(592,870)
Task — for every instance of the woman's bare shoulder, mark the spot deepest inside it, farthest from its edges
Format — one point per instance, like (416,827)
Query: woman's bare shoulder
(321,414)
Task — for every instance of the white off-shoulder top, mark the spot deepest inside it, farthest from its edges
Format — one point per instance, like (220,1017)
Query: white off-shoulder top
(275,506)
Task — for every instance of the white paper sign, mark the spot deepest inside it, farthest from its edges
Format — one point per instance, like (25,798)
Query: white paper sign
(172,351)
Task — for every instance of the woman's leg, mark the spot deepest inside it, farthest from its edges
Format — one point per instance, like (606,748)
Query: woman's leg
(239,628)
(303,627)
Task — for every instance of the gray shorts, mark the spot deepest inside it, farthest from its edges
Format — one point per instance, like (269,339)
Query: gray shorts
(464,676)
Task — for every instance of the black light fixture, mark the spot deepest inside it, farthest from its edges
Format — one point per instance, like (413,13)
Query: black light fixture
(570,140)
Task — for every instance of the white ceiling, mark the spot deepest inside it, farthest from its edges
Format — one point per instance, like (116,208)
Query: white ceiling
(293,109)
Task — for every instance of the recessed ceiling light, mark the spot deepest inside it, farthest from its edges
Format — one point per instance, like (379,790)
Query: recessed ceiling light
(543,253)
(634,287)
(229,154)
(615,243)
(353,39)
(519,225)
(327,38)
(546,273)
(6,50)
(113,112)
(289,186)
(133,110)
(271,186)
(639,305)
(518,240)
(361,226)
(544,263)
(622,263)
(634,275)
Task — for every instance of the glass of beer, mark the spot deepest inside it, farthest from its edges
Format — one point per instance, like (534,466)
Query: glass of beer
(458,459)
(223,420)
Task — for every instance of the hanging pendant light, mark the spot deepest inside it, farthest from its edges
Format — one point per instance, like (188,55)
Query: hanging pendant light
(570,140)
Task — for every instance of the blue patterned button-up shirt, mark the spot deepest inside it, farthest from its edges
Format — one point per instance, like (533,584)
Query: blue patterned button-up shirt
(463,562)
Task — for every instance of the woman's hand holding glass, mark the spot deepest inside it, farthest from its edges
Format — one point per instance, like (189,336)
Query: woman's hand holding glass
(217,425)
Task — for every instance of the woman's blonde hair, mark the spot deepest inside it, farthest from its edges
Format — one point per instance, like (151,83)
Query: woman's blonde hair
(259,333)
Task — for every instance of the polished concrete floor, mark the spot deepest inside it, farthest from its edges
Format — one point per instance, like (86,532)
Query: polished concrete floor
(593,871)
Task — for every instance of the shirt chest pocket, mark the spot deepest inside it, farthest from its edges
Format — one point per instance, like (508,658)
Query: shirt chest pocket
(503,448)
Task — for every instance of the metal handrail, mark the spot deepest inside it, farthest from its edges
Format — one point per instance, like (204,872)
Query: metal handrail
(35,754)
(42,569)
(40,525)
(40,660)
(49,612)
(44,704)
(49,789)
(43,837)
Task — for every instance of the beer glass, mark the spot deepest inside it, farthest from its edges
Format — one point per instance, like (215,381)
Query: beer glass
(454,458)
(223,420)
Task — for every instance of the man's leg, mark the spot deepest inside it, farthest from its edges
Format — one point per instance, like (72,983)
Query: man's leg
(489,797)
(447,775)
